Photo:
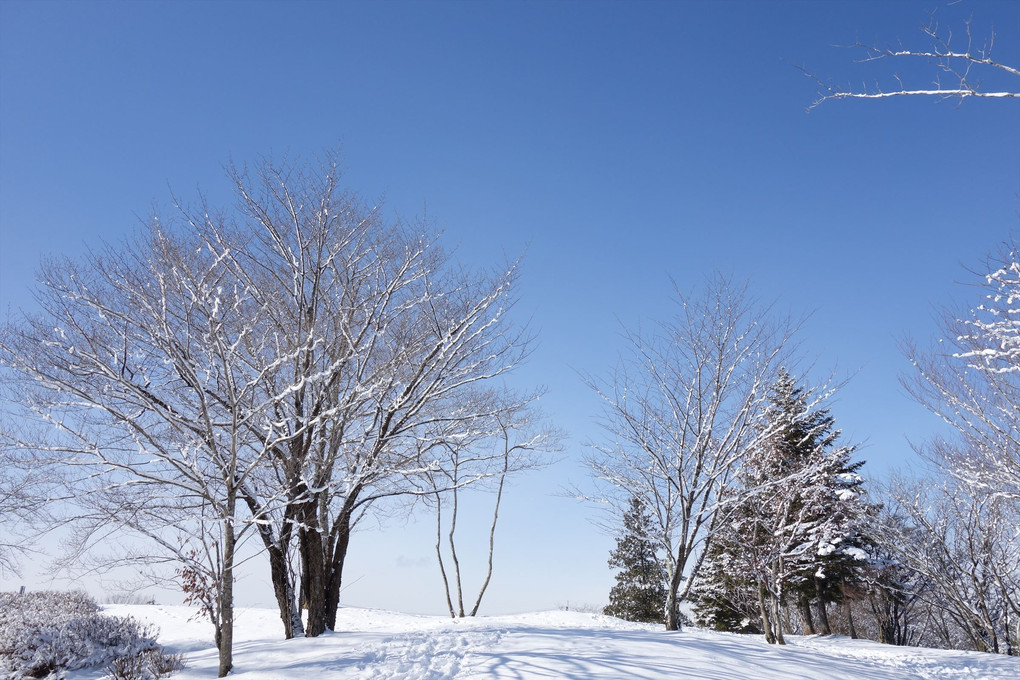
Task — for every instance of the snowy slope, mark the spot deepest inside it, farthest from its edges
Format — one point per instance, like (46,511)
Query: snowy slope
(374,644)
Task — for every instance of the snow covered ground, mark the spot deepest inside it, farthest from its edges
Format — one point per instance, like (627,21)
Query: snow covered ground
(373,645)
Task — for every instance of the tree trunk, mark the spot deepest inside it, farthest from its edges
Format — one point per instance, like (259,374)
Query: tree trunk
(439,555)
(225,638)
(336,567)
(672,605)
(283,585)
(283,589)
(312,575)
(453,556)
(804,608)
(766,625)
(823,617)
(777,613)
(492,538)
(900,627)
(850,618)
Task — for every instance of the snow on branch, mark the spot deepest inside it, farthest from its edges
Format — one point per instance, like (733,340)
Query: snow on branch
(958,73)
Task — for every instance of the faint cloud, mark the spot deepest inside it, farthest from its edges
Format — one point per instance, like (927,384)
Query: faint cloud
(405,562)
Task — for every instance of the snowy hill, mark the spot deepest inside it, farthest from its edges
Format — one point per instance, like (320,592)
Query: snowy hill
(375,644)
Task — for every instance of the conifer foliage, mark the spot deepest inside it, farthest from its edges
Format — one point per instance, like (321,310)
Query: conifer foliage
(640,590)
(795,533)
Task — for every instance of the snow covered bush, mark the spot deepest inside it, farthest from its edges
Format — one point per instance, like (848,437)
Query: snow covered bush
(152,663)
(43,635)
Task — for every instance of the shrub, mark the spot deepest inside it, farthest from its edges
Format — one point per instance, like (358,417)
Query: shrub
(43,635)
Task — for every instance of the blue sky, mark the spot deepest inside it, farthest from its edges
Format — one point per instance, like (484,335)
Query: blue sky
(619,144)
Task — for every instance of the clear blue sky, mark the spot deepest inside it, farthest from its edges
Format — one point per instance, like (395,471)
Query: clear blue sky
(620,143)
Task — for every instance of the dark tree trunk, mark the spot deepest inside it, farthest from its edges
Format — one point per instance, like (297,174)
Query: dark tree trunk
(850,618)
(334,581)
(823,616)
(804,607)
(313,582)
(283,587)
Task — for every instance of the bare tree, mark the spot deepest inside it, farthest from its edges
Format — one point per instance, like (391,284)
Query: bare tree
(893,591)
(144,361)
(960,535)
(961,71)
(272,370)
(680,410)
(386,342)
(24,492)
(971,380)
(513,441)
(964,546)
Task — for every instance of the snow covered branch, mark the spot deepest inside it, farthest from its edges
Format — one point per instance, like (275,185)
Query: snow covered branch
(959,73)
(971,380)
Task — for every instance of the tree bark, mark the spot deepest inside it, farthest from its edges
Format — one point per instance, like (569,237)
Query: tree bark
(823,616)
(804,607)
(850,618)
(225,638)
(672,605)
(777,614)
(283,585)
(342,530)
(313,577)
(766,624)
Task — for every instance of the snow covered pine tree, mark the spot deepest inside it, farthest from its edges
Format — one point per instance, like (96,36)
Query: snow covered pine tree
(796,531)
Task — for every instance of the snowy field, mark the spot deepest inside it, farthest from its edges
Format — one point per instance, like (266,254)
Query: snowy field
(375,644)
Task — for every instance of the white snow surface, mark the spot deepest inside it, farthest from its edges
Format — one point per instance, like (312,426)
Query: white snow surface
(373,645)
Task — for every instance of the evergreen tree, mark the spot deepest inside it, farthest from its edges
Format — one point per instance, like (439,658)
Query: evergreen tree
(796,532)
(722,597)
(830,504)
(640,590)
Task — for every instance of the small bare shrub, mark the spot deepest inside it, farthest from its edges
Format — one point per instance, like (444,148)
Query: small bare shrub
(128,668)
(162,664)
(152,664)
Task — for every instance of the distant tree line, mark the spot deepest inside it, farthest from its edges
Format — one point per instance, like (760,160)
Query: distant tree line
(739,499)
